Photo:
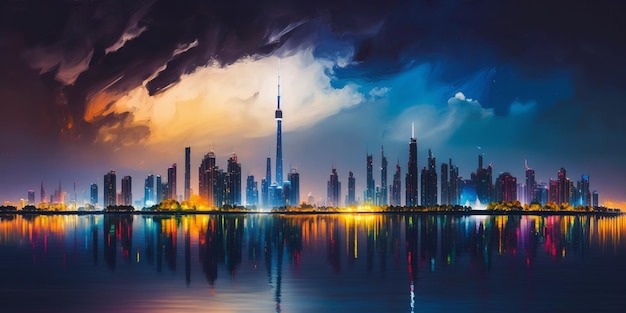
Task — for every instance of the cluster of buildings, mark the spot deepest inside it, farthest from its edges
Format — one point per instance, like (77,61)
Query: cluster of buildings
(223,187)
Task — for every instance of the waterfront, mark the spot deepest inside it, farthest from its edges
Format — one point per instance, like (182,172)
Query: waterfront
(312,263)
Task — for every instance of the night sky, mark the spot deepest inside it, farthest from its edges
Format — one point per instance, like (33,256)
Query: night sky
(87,86)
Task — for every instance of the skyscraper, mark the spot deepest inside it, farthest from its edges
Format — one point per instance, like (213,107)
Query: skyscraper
(334,189)
(252,192)
(93,199)
(279,139)
(187,173)
(595,200)
(531,185)
(148,191)
(31,197)
(370,192)
(351,190)
(265,184)
(454,185)
(411,175)
(109,189)
(383,179)
(159,189)
(396,187)
(584,190)
(483,181)
(127,190)
(505,188)
(563,187)
(429,182)
(43,193)
(294,195)
(234,181)
(171,182)
(444,198)
(206,179)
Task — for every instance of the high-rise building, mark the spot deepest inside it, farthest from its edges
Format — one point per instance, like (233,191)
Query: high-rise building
(110,189)
(396,186)
(541,194)
(165,191)
(563,187)
(220,188)
(279,139)
(454,194)
(171,183)
(506,188)
(148,191)
(31,197)
(42,193)
(444,198)
(383,178)
(252,192)
(234,181)
(351,200)
(369,190)
(187,173)
(93,199)
(584,190)
(531,185)
(334,189)
(553,191)
(159,189)
(595,200)
(206,179)
(265,184)
(411,175)
(127,190)
(294,181)
(483,181)
(429,181)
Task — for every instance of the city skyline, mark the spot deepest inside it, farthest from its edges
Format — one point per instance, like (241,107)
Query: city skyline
(80,99)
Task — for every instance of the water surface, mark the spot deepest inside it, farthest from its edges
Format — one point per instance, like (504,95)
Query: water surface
(312,263)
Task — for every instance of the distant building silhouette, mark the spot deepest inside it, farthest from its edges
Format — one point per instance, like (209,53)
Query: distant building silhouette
(369,190)
(429,181)
(110,189)
(252,191)
(265,184)
(396,186)
(127,190)
(563,187)
(411,175)
(585,194)
(31,197)
(93,196)
(384,193)
(483,181)
(294,181)
(171,183)
(148,191)
(207,179)
(351,199)
(187,173)
(531,186)
(159,189)
(444,198)
(505,188)
(455,183)
(595,200)
(334,189)
(234,181)
(42,193)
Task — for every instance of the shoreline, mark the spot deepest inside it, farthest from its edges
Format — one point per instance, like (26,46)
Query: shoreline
(456,213)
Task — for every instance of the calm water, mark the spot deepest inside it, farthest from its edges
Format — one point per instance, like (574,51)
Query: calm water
(312,263)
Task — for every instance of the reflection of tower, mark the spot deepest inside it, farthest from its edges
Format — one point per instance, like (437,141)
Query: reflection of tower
(411,175)
(210,245)
(187,255)
(279,140)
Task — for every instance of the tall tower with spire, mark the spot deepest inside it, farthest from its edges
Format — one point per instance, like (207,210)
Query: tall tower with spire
(411,175)
(279,139)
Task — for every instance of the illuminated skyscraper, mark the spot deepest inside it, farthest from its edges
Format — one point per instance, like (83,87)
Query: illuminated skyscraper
(351,190)
(279,139)
(127,190)
(252,192)
(159,189)
(93,199)
(187,173)
(234,181)
(265,184)
(531,185)
(294,181)
(429,182)
(383,179)
(454,192)
(483,181)
(148,191)
(110,189)
(334,189)
(596,200)
(206,179)
(396,187)
(563,187)
(370,192)
(171,183)
(411,175)
(584,190)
